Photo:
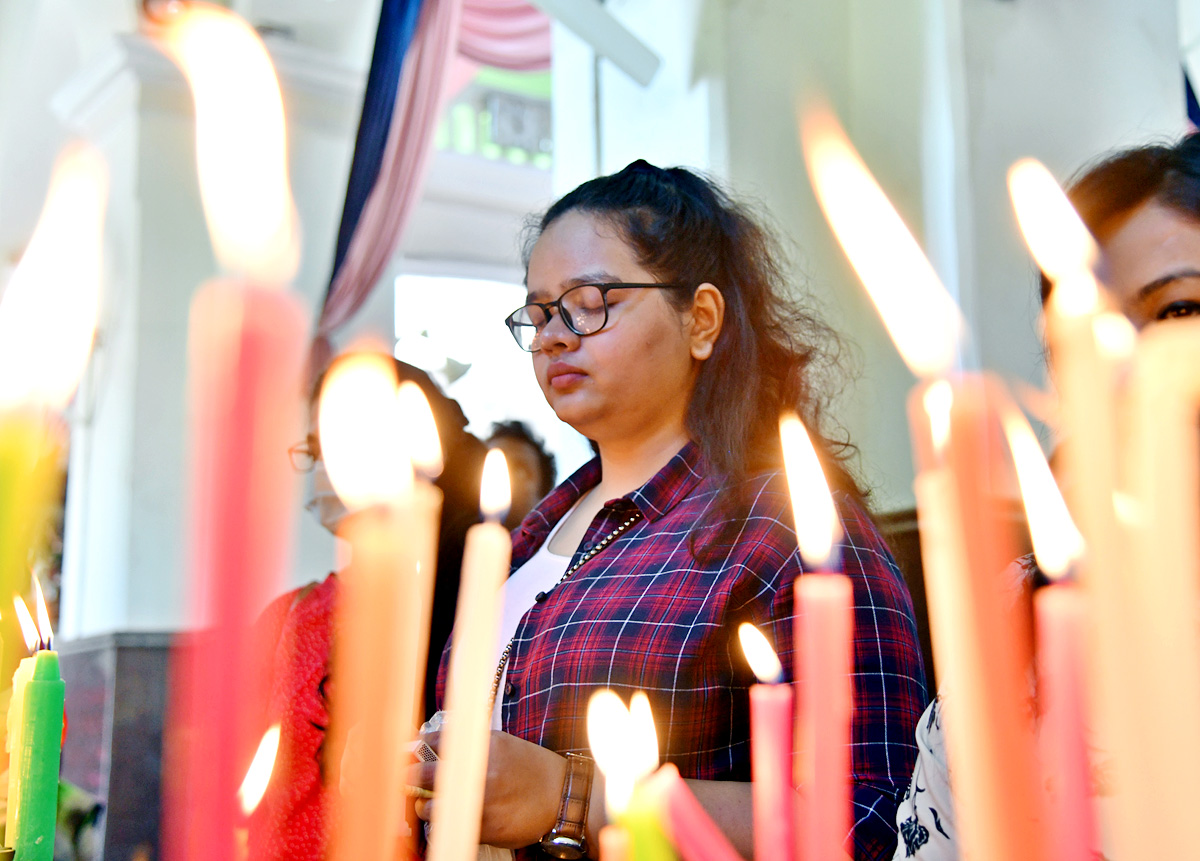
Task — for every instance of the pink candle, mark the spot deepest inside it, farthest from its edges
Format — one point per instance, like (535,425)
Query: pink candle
(1070,819)
(771,717)
(246,350)
(824,625)
(691,830)
(824,630)
(614,843)
(1060,617)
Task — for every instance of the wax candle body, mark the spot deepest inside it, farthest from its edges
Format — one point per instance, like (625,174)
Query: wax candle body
(464,749)
(38,759)
(981,642)
(382,632)
(1161,585)
(824,637)
(1060,631)
(642,822)
(15,726)
(771,727)
(693,833)
(614,843)
(246,353)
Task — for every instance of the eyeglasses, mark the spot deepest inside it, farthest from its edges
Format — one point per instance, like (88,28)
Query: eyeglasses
(305,454)
(583,308)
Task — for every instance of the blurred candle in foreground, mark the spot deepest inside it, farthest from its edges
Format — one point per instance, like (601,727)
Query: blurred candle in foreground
(625,747)
(48,314)
(966,540)
(247,341)
(824,645)
(1141,574)
(454,833)
(1060,618)
(382,601)
(771,728)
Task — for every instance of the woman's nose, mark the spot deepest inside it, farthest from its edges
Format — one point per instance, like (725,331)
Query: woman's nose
(556,334)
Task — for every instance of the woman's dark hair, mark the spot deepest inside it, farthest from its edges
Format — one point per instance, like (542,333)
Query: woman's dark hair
(771,354)
(1107,192)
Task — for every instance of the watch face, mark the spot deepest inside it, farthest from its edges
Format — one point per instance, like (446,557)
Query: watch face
(562,847)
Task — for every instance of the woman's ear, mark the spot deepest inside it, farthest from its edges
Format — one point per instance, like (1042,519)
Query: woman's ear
(708,313)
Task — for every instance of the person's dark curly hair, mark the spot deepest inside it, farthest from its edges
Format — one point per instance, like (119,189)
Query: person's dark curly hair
(521,432)
(771,355)
(1107,192)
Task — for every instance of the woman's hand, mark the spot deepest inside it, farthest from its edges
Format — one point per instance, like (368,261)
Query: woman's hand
(521,795)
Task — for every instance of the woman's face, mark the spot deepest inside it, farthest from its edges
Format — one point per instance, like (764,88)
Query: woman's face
(633,379)
(1152,265)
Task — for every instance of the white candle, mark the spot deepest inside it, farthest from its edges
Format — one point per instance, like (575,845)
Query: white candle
(461,772)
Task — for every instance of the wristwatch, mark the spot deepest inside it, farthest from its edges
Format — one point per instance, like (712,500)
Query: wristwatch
(566,839)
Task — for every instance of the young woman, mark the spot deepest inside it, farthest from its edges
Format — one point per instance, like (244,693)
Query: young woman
(1143,207)
(660,326)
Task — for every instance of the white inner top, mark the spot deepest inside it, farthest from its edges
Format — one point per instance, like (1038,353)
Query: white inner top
(539,574)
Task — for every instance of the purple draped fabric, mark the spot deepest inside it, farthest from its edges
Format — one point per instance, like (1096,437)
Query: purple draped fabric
(510,34)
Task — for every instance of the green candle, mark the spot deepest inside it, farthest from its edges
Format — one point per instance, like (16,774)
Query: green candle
(13,745)
(38,760)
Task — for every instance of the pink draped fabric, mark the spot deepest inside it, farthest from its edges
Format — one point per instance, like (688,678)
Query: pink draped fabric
(510,34)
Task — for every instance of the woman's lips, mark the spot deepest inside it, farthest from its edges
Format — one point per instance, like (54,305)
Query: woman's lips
(563,376)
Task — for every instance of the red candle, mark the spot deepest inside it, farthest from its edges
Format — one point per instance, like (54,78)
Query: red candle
(246,350)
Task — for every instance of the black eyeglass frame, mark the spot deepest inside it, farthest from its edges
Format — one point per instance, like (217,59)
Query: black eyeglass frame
(566,318)
(304,455)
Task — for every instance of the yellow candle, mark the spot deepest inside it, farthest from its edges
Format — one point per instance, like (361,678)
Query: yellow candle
(384,600)
(464,747)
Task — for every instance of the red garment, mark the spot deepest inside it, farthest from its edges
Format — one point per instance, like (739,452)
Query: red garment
(291,823)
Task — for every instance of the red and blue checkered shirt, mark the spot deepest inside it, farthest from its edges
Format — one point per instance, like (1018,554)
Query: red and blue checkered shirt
(643,614)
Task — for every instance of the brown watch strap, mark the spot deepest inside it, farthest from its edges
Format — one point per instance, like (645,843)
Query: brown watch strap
(571,824)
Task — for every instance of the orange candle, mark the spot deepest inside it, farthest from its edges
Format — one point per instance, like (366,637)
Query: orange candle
(246,349)
(382,615)
(965,540)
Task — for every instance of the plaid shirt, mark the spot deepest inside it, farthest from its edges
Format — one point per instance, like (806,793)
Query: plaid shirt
(643,614)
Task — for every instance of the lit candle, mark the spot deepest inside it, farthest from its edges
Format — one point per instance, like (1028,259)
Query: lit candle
(824,642)
(382,615)
(980,647)
(35,727)
(464,747)
(1141,571)
(246,349)
(48,316)
(770,748)
(1059,613)
(625,747)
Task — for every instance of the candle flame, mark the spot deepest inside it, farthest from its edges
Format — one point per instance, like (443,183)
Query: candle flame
(359,422)
(763,660)
(817,525)
(608,727)
(241,144)
(624,743)
(1057,238)
(643,738)
(919,314)
(258,775)
(45,632)
(1115,335)
(1056,541)
(28,629)
(495,495)
(48,310)
(420,430)
(938,401)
